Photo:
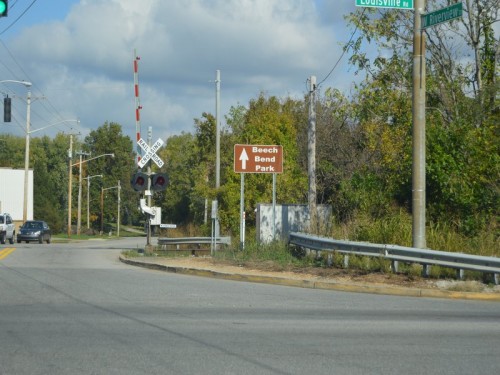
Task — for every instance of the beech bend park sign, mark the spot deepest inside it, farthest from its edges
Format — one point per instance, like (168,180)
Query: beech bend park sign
(258,159)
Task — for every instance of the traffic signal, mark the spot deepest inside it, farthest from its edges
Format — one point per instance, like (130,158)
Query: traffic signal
(4,8)
(7,108)
(159,182)
(139,181)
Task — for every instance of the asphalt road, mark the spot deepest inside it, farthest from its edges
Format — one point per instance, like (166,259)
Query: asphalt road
(75,309)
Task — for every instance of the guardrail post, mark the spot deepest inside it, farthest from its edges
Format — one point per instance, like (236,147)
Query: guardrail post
(346,261)
(426,270)
(460,274)
(395,266)
(329,259)
(496,278)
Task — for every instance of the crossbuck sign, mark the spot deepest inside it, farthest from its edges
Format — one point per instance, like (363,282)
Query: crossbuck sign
(150,153)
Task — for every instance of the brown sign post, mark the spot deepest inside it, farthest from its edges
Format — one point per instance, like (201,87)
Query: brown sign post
(258,159)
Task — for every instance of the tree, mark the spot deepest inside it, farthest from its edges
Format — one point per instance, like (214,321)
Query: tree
(458,116)
(50,173)
(107,139)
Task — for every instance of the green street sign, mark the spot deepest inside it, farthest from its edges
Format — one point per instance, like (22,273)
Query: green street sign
(442,15)
(399,4)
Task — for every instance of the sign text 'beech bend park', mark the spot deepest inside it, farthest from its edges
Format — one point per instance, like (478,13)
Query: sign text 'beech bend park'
(258,159)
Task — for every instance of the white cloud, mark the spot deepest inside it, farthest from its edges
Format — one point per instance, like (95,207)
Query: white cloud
(84,63)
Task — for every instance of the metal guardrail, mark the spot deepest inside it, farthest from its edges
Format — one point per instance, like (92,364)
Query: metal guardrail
(396,253)
(197,241)
(194,240)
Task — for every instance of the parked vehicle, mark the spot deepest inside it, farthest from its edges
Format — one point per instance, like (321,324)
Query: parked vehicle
(34,230)
(7,228)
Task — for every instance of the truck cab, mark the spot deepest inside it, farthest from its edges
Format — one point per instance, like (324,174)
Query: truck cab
(7,228)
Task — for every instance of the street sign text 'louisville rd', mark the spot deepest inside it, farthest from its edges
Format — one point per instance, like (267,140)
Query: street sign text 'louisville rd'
(399,4)
(258,159)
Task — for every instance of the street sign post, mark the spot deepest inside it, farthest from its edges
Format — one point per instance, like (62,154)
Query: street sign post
(258,159)
(442,15)
(150,153)
(398,4)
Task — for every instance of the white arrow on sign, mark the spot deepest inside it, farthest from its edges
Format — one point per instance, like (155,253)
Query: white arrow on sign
(150,153)
(243,159)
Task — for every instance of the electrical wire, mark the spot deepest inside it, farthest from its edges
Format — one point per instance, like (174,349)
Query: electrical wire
(19,17)
(343,52)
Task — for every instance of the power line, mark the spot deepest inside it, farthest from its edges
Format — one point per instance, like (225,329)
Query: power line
(19,17)
(344,50)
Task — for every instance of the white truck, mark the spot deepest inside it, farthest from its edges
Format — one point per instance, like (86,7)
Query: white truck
(7,228)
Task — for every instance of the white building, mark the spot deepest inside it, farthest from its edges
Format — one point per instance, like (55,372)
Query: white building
(12,193)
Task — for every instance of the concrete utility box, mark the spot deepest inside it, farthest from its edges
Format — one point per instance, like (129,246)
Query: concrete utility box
(12,193)
(289,218)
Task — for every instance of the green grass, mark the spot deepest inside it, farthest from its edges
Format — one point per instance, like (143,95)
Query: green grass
(394,229)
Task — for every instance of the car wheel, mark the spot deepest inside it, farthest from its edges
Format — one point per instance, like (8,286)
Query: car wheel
(18,241)
(2,238)
(11,240)
(40,239)
(48,239)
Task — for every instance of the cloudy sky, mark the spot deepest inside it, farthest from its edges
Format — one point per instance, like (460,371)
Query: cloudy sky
(79,56)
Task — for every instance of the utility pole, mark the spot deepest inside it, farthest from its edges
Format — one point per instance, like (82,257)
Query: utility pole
(27,156)
(118,214)
(70,181)
(418,167)
(311,157)
(217,130)
(79,215)
(217,146)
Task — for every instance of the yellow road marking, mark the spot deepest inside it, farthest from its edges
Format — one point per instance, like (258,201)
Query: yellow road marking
(5,252)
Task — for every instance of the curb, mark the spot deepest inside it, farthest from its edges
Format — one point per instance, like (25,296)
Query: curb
(342,287)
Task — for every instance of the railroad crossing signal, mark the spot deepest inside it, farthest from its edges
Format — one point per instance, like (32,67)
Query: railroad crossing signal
(139,181)
(150,153)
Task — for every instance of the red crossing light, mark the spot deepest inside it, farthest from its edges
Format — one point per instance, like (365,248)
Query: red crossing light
(139,181)
(159,182)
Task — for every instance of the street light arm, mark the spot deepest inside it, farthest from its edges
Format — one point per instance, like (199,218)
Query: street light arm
(90,177)
(95,157)
(25,83)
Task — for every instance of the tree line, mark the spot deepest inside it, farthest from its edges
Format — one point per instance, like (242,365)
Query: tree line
(363,144)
